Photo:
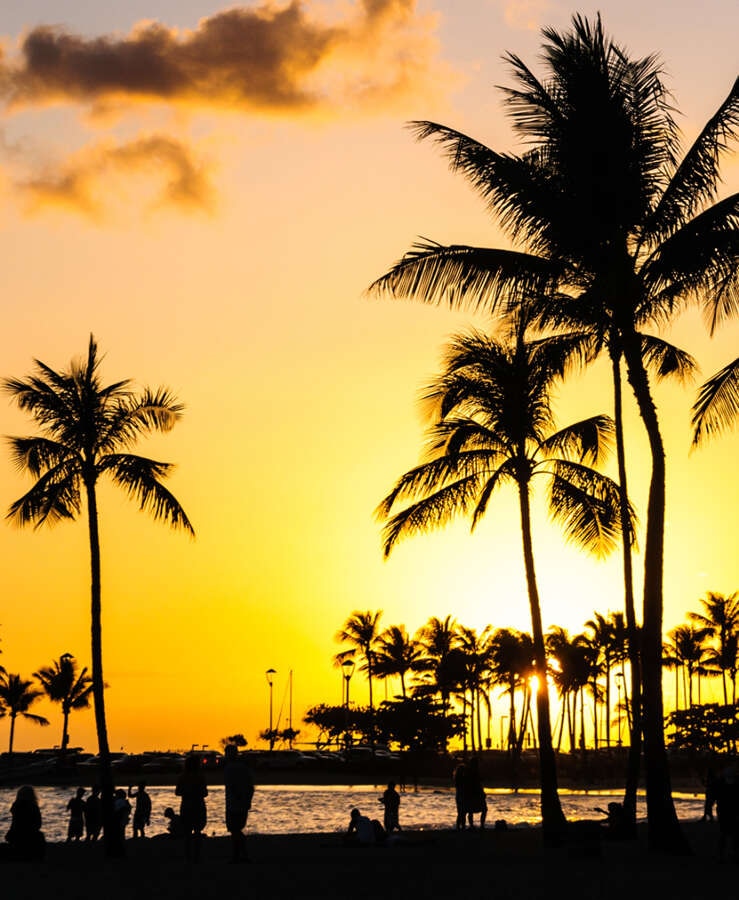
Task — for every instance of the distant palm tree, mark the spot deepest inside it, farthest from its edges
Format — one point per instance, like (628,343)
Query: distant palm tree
(686,650)
(87,430)
(397,654)
(16,698)
(512,665)
(64,683)
(361,632)
(492,424)
(720,617)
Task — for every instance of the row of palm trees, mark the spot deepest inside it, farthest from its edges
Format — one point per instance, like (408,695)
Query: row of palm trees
(612,233)
(63,682)
(589,671)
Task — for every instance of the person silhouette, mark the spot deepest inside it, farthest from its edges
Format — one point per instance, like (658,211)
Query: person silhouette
(121,815)
(76,809)
(192,790)
(459,784)
(474,793)
(174,824)
(363,830)
(93,813)
(26,841)
(239,786)
(141,809)
(391,801)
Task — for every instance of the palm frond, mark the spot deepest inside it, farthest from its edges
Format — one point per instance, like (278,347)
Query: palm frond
(463,277)
(53,498)
(586,504)
(37,455)
(664,359)
(589,440)
(717,406)
(140,476)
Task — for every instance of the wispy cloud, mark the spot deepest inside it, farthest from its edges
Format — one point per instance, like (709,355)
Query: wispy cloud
(268,59)
(81,184)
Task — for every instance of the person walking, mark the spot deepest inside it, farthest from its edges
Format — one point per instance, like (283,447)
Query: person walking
(239,785)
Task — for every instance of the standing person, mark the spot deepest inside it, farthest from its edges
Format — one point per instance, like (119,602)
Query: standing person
(141,809)
(239,785)
(192,790)
(26,841)
(710,783)
(93,814)
(121,815)
(474,793)
(76,809)
(391,801)
(459,777)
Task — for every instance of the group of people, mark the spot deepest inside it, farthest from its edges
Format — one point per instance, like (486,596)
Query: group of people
(469,794)
(365,831)
(25,839)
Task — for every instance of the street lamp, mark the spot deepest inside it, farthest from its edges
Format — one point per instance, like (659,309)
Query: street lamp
(348,670)
(270,674)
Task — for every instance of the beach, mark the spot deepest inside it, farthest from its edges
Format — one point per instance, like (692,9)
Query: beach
(504,864)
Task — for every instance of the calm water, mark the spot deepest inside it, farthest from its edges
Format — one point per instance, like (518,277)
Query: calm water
(281,810)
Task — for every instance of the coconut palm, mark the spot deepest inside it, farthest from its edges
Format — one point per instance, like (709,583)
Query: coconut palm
(16,697)
(492,424)
(66,684)
(87,431)
(601,208)
(512,665)
(686,650)
(476,648)
(720,618)
(397,654)
(361,632)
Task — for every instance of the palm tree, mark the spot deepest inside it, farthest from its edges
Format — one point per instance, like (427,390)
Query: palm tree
(512,665)
(87,430)
(476,649)
(64,683)
(493,424)
(720,619)
(687,652)
(602,209)
(16,698)
(361,632)
(397,654)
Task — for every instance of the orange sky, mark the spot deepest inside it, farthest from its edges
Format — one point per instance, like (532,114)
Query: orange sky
(216,233)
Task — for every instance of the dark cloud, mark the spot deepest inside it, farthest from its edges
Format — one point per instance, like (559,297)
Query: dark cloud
(264,58)
(82,183)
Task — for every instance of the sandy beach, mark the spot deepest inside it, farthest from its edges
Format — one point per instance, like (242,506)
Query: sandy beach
(510,864)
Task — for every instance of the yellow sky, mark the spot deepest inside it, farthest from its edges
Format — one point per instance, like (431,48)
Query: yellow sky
(217,237)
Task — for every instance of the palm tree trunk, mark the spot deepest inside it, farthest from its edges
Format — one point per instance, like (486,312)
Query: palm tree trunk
(634,757)
(552,818)
(12,733)
(113,846)
(664,832)
(65,728)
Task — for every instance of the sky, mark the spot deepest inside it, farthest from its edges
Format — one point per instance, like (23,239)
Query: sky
(209,190)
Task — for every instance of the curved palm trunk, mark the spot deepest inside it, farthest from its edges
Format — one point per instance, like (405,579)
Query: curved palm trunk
(113,846)
(12,733)
(552,818)
(664,832)
(634,757)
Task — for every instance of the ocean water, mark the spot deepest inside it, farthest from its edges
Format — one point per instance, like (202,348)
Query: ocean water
(320,809)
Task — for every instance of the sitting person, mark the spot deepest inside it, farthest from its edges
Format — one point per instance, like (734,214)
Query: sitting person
(175,827)
(25,838)
(363,830)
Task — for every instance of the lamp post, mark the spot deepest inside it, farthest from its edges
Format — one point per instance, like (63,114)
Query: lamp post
(270,674)
(348,670)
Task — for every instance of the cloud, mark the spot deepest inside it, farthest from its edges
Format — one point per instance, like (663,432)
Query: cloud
(526,15)
(82,184)
(265,59)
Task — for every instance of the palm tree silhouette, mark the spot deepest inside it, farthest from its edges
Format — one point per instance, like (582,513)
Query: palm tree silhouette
(87,430)
(492,424)
(601,208)
(64,683)
(720,618)
(512,665)
(361,632)
(16,697)
(397,654)
(717,405)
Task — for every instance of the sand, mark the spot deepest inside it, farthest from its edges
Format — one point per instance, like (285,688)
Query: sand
(443,864)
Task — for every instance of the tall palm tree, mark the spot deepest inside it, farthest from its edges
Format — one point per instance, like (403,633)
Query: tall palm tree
(687,649)
(398,654)
(476,648)
(16,697)
(493,424)
(66,684)
(87,431)
(601,208)
(361,632)
(512,665)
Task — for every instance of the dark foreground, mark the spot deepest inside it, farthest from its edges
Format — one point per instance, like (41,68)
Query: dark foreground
(443,864)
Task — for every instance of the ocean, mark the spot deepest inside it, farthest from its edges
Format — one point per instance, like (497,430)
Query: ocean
(280,809)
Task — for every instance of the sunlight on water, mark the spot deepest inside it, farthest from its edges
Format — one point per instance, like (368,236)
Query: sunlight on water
(321,809)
